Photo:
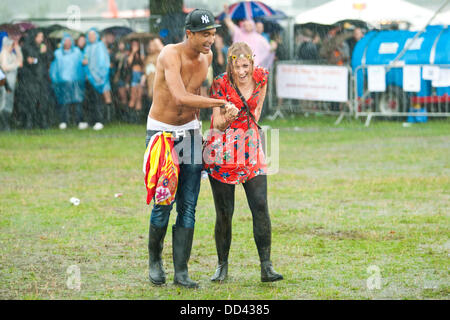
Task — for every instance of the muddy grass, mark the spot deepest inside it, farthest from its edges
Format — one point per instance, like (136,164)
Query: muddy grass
(345,200)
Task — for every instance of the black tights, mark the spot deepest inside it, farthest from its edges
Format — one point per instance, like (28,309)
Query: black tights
(256,192)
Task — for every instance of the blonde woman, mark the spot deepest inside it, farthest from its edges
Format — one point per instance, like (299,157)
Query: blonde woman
(234,155)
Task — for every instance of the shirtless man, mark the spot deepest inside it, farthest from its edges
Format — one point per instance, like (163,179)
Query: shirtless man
(180,70)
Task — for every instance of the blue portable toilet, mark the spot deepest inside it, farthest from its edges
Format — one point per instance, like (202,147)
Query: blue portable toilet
(382,47)
(442,56)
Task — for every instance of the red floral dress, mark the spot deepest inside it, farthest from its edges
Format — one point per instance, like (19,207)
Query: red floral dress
(236,155)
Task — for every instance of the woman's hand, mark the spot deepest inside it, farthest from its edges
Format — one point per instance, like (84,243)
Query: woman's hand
(223,117)
(231,112)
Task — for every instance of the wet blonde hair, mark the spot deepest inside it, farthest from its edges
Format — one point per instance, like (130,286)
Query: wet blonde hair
(236,51)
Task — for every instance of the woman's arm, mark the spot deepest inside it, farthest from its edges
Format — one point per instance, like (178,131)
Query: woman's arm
(259,106)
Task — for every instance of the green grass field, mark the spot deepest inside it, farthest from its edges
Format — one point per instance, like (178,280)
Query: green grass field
(347,200)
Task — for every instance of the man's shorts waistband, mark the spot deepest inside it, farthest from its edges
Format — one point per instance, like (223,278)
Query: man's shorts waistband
(177,133)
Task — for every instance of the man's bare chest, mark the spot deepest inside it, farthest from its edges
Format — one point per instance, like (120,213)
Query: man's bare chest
(193,75)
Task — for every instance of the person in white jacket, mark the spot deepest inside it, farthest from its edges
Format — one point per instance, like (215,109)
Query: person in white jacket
(10,60)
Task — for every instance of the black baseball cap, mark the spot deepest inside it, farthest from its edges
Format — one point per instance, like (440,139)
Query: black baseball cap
(199,20)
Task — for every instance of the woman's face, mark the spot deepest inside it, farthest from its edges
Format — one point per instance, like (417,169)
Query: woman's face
(242,70)
(92,36)
(39,38)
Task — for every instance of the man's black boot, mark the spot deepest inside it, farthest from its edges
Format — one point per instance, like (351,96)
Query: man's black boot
(155,246)
(181,245)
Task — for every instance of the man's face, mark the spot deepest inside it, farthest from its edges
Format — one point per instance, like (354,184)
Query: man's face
(202,40)
(248,26)
(358,34)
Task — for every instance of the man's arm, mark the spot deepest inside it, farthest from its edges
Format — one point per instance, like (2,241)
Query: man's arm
(172,71)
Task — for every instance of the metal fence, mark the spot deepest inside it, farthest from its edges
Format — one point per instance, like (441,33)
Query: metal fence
(309,87)
(414,92)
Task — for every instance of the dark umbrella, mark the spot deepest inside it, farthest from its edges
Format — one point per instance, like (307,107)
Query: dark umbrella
(139,36)
(59,34)
(118,31)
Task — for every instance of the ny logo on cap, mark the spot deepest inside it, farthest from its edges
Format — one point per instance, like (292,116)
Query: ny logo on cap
(205,19)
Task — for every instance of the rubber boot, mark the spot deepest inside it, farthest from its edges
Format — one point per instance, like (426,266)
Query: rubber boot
(155,246)
(181,246)
(262,232)
(268,273)
(223,243)
(221,272)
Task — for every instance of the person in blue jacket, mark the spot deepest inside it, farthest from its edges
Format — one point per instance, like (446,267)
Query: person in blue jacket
(96,64)
(67,76)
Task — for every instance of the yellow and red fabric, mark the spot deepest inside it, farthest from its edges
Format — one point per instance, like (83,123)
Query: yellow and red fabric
(161,168)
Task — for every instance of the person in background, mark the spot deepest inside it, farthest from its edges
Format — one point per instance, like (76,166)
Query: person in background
(308,49)
(36,82)
(81,42)
(67,75)
(335,48)
(10,60)
(264,53)
(219,50)
(351,42)
(96,67)
(136,67)
(155,46)
(120,78)
(259,27)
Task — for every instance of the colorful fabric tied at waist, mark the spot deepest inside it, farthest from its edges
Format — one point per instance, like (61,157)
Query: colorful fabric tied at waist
(161,169)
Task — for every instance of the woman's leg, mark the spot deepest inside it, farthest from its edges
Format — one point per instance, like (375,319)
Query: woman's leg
(256,191)
(223,195)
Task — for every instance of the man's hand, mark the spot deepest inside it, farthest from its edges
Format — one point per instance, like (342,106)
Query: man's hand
(231,112)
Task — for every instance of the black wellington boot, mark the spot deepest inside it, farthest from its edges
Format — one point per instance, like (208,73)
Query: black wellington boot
(263,237)
(221,272)
(223,243)
(182,245)
(155,246)
(268,273)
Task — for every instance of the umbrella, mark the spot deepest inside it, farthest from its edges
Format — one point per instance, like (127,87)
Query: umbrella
(139,36)
(12,30)
(25,26)
(249,10)
(118,31)
(59,34)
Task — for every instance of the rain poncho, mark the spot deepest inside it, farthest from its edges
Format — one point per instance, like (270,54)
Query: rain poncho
(97,69)
(161,169)
(67,75)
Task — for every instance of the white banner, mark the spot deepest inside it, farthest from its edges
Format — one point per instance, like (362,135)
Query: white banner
(309,82)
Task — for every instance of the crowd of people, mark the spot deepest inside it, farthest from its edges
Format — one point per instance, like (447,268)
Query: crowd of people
(88,81)
(334,47)
(99,78)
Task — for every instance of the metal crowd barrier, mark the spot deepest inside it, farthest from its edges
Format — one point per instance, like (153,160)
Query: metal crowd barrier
(413,92)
